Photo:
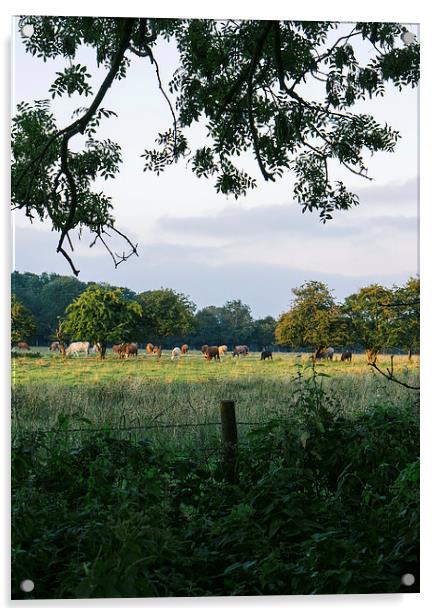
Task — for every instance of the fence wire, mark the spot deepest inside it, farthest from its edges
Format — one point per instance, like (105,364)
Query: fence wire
(139,428)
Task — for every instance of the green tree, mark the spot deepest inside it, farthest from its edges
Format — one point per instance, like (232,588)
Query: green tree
(236,322)
(102,315)
(207,327)
(369,319)
(23,326)
(245,79)
(407,315)
(263,334)
(313,319)
(47,296)
(166,313)
(56,295)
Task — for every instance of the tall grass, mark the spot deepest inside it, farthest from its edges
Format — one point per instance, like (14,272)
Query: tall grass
(90,394)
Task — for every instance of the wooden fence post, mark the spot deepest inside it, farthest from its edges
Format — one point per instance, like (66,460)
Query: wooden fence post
(229,440)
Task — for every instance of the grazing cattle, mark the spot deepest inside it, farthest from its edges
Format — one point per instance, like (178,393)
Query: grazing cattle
(204,349)
(325,353)
(78,347)
(128,348)
(239,350)
(54,346)
(184,349)
(23,346)
(223,349)
(212,352)
(149,348)
(116,349)
(176,352)
(157,351)
(266,355)
(346,356)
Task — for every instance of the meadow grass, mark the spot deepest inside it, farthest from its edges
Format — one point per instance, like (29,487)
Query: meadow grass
(145,392)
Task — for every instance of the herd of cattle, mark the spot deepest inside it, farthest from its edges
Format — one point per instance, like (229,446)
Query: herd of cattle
(130,349)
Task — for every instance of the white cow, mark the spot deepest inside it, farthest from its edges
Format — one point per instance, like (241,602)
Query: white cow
(326,353)
(78,347)
(176,353)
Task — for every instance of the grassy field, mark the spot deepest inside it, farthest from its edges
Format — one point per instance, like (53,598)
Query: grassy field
(144,391)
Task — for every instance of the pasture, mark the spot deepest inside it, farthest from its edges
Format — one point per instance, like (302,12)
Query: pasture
(146,391)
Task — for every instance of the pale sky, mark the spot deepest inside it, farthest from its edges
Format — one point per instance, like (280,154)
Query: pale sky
(215,248)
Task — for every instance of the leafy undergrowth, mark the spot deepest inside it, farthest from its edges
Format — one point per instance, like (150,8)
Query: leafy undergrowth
(324,504)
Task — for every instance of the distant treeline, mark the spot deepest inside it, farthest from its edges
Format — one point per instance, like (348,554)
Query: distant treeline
(375,318)
(48,295)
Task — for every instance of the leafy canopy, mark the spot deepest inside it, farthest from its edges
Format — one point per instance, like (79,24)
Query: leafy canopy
(165,313)
(369,318)
(247,80)
(406,305)
(23,324)
(313,319)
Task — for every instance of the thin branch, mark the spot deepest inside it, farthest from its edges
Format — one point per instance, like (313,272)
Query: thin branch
(290,92)
(163,92)
(328,53)
(79,126)
(66,256)
(133,246)
(108,249)
(254,62)
(390,376)
(246,69)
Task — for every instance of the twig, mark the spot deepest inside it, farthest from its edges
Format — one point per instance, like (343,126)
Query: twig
(390,376)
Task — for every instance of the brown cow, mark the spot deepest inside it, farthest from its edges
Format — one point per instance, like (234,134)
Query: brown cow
(157,351)
(23,346)
(223,349)
(204,349)
(129,348)
(212,353)
(149,348)
(116,349)
(54,346)
(184,349)
(240,350)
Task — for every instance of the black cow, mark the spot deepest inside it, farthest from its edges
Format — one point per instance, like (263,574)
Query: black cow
(346,356)
(266,355)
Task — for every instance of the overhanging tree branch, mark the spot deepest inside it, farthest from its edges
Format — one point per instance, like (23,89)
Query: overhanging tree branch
(79,126)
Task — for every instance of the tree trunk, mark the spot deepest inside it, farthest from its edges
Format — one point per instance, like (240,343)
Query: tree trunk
(410,354)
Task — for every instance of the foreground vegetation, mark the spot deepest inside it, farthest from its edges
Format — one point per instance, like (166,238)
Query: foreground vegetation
(327,498)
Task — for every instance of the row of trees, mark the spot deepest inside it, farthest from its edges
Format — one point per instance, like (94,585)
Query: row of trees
(105,315)
(166,315)
(374,318)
